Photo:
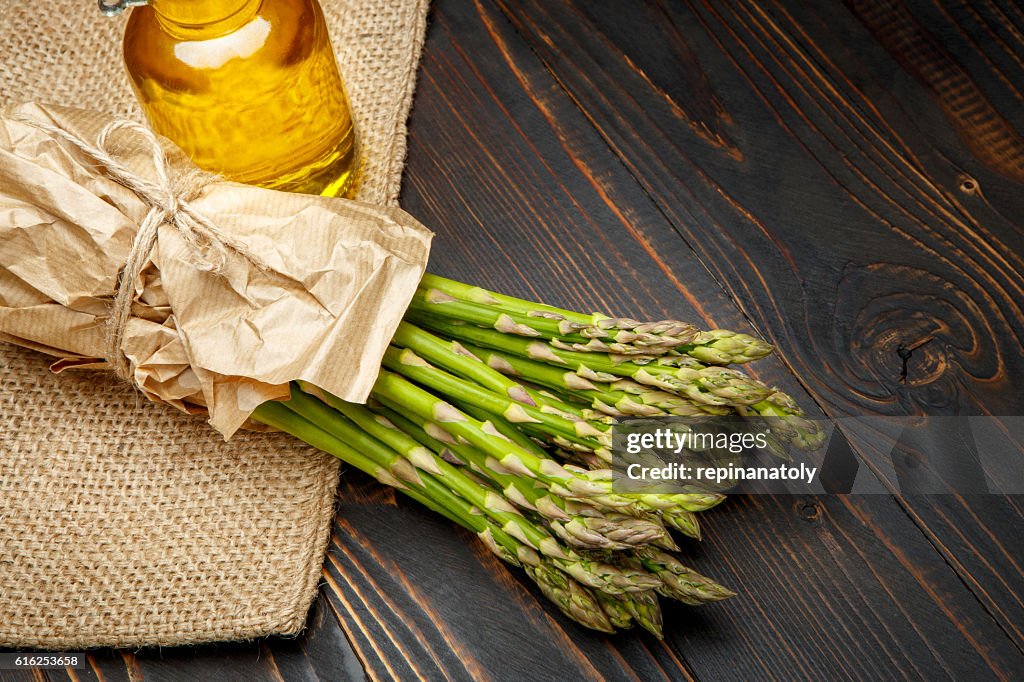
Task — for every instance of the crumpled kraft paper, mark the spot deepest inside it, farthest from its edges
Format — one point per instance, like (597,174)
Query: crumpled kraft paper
(339,276)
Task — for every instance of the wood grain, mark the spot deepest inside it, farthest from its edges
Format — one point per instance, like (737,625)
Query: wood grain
(941,215)
(907,254)
(843,179)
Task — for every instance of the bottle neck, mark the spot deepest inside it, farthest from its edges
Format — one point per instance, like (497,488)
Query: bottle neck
(203,18)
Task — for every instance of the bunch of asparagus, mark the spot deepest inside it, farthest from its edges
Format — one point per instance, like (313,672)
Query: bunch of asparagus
(497,413)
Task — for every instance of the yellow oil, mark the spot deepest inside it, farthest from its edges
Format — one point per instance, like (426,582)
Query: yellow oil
(248,88)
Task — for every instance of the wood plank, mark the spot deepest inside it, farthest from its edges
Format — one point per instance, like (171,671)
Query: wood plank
(848,591)
(907,231)
(174,664)
(321,652)
(750,205)
(525,198)
(842,587)
(886,247)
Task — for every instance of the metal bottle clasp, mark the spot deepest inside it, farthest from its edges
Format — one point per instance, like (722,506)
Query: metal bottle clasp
(112,8)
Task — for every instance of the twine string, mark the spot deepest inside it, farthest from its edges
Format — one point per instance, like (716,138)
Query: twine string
(169,198)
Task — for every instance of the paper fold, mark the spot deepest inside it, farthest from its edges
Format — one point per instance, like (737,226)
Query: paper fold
(340,275)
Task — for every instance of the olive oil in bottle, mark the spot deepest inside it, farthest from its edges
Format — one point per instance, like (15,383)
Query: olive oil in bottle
(248,88)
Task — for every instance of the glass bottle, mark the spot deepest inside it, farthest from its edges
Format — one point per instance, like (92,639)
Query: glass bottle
(248,88)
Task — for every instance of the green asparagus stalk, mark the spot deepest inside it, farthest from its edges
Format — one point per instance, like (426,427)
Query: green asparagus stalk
(641,607)
(475,294)
(453,361)
(572,598)
(620,398)
(581,524)
(361,429)
(505,428)
(575,331)
(510,457)
(457,359)
(412,366)
(788,422)
(681,518)
(573,334)
(580,484)
(555,580)
(454,358)
(679,582)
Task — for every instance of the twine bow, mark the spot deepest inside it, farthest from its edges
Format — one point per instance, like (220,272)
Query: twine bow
(168,198)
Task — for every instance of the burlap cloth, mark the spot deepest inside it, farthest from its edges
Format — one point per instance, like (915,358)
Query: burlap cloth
(124,523)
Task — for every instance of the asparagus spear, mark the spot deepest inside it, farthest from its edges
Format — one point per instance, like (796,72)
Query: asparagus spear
(611,506)
(789,423)
(576,335)
(505,428)
(369,435)
(510,457)
(454,358)
(572,598)
(579,483)
(679,582)
(595,332)
(616,611)
(458,363)
(623,609)
(475,294)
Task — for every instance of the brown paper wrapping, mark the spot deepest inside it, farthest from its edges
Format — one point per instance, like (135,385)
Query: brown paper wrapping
(338,277)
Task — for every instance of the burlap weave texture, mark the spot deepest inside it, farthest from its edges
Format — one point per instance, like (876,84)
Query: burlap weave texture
(125,523)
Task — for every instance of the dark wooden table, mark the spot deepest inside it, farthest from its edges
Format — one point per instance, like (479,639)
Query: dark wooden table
(845,179)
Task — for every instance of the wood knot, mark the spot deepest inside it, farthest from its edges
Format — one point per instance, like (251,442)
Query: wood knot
(910,337)
(906,338)
(969,185)
(906,352)
(808,509)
